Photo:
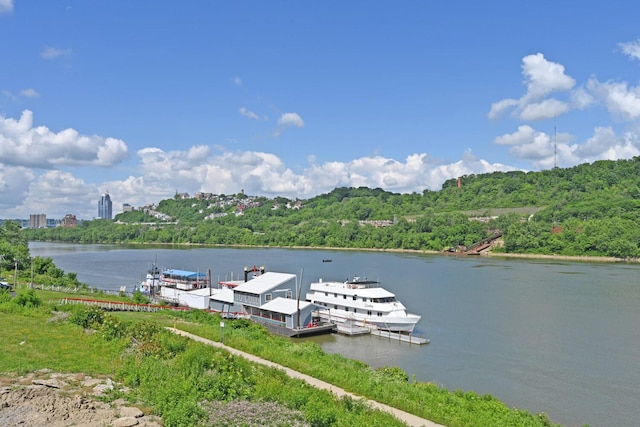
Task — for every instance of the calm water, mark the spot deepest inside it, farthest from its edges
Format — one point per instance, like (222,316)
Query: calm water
(555,337)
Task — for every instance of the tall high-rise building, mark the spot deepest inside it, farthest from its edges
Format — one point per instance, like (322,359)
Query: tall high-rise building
(37,221)
(104,207)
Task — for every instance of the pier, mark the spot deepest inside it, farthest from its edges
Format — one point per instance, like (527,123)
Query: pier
(351,329)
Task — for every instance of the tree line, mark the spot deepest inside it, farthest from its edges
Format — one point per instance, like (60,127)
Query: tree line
(586,210)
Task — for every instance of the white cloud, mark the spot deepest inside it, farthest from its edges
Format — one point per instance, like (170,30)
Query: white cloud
(290,120)
(523,135)
(544,151)
(541,77)
(21,144)
(620,99)
(631,49)
(237,81)
(49,52)
(29,93)
(6,6)
(249,114)
(544,110)
(497,108)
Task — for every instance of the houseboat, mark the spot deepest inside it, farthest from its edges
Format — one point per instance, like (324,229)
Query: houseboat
(363,303)
(179,279)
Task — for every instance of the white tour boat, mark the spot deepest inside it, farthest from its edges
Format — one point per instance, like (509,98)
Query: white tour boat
(361,302)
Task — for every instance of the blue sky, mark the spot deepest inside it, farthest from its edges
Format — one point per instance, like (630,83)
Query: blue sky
(145,98)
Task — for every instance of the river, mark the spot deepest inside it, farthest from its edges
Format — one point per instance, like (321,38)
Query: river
(558,337)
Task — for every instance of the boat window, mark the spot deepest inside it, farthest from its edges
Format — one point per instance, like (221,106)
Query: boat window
(326,294)
(335,295)
(355,297)
(368,313)
(344,297)
(379,314)
(355,310)
(335,306)
(346,309)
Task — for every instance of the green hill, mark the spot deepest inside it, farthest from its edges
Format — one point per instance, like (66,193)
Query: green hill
(586,210)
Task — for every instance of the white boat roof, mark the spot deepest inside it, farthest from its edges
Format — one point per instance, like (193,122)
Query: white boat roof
(223,295)
(284,305)
(265,282)
(343,289)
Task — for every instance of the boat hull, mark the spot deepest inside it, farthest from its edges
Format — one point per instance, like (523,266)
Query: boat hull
(403,324)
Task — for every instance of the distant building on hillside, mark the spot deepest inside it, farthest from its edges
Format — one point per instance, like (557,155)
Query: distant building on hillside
(69,220)
(104,207)
(126,207)
(37,221)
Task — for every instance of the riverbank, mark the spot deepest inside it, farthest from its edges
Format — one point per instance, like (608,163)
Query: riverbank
(487,253)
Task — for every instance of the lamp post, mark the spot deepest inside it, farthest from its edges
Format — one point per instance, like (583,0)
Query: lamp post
(15,274)
(1,261)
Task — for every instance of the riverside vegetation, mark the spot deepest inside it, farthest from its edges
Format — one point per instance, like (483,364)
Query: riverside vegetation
(191,384)
(186,382)
(587,210)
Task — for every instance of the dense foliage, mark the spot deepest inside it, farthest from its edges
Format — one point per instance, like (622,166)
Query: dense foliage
(590,209)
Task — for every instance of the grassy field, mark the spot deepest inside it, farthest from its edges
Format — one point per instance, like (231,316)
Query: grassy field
(171,374)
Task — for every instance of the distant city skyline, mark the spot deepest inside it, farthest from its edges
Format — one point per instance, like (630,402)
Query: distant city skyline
(294,99)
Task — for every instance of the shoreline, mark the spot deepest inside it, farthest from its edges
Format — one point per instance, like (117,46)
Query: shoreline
(577,258)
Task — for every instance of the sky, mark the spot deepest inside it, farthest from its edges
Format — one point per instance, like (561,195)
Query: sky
(142,99)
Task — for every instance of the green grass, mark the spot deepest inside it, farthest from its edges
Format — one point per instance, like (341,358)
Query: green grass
(171,375)
(30,342)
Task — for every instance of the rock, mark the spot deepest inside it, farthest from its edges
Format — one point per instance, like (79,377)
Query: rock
(51,383)
(125,422)
(131,411)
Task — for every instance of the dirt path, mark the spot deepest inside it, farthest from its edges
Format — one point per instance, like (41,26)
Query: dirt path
(406,417)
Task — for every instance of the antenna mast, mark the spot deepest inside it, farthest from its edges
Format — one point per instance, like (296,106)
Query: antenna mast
(555,144)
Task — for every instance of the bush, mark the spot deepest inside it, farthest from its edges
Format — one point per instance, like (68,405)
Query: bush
(113,328)
(87,317)
(28,299)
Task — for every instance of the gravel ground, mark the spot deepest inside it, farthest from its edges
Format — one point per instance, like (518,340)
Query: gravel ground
(44,398)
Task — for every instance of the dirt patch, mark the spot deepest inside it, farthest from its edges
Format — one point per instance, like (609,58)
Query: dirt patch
(51,399)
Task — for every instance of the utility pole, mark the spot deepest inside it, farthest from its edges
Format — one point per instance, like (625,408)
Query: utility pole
(15,274)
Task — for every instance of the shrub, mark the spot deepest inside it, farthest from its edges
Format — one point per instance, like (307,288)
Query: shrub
(28,299)
(87,317)
(113,328)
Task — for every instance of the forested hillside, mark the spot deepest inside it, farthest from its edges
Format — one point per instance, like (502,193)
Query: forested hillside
(590,209)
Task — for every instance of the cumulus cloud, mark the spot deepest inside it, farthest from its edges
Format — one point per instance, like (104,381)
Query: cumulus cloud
(49,52)
(288,120)
(545,151)
(631,49)
(237,81)
(541,77)
(21,144)
(619,98)
(6,6)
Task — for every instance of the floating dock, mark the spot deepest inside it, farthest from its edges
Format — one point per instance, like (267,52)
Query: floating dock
(349,328)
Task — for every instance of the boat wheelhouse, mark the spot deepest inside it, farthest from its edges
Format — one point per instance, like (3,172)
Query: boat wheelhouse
(361,302)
